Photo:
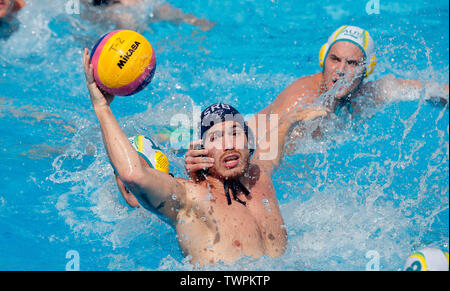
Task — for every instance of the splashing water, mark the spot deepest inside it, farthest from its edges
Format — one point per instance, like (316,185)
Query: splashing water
(377,183)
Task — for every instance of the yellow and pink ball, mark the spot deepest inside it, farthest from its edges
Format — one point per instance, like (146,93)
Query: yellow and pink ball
(123,62)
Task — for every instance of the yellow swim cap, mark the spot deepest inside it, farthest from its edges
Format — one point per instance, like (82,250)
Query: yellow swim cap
(150,152)
(427,259)
(357,36)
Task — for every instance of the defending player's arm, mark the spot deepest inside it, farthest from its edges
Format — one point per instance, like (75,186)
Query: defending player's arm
(390,88)
(289,108)
(270,151)
(148,185)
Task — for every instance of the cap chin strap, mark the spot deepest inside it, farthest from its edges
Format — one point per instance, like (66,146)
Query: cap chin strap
(235,186)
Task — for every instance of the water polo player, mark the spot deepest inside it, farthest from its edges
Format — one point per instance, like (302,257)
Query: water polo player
(347,59)
(232,212)
(160,13)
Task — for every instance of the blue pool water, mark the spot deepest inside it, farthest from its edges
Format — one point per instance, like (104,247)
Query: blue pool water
(377,184)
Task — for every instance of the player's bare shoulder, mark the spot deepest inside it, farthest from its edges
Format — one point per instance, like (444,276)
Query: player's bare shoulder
(304,88)
(374,92)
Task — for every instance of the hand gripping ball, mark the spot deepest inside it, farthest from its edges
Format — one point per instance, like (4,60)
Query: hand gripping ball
(123,62)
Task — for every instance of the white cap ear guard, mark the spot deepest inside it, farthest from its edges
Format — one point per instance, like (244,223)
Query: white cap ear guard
(357,36)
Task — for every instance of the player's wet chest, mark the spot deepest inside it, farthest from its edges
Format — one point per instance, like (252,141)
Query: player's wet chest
(215,210)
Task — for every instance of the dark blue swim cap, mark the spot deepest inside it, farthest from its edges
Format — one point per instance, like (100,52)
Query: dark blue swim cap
(220,112)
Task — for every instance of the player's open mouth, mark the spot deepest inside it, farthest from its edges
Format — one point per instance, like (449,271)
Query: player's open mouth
(339,84)
(231,161)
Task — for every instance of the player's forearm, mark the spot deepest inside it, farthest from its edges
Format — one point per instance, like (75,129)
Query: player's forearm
(151,187)
(121,153)
(271,138)
(285,124)
(431,89)
(393,89)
